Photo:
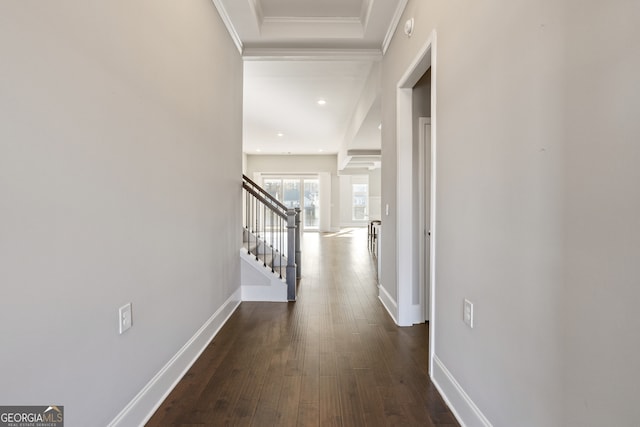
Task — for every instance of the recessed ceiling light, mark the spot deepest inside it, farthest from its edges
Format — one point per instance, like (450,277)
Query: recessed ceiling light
(320,150)
(322,102)
(280,134)
(258,150)
(380,126)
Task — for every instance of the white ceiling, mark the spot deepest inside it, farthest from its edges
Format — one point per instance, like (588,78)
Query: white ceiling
(299,51)
(281,110)
(312,8)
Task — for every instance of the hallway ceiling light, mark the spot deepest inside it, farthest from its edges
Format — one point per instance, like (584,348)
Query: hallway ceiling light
(280,134)
(322,102)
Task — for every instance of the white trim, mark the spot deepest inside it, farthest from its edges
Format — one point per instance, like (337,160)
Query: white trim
(434,234)
(462,406)
(406,278)
(285,54)
(394,25)
(424,239)
(414,311)
(419,66)
(388,302)
(407,272)
(146,402)
(227,23)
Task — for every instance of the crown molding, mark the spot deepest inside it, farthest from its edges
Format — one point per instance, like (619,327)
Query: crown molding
(272,54)
(394,25)
(227,23)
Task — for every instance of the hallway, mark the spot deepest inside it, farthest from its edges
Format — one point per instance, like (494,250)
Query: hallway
(334,357)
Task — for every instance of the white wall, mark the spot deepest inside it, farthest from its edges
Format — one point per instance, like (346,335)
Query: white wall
(538,205)
(291,164)
(121,134)
(499,140)
(602,215)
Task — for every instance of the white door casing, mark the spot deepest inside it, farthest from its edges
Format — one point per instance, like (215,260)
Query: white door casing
(424,205)
(407,277)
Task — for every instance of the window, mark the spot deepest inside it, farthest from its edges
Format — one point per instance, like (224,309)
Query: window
(360,201)
(287,190)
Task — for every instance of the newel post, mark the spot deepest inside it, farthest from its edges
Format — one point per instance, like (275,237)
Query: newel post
(291,254)
(298,252)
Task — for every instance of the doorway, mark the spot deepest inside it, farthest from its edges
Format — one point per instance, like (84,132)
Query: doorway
(412,302)
(424,208)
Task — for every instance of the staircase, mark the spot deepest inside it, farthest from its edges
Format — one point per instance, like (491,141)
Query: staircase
(271,246)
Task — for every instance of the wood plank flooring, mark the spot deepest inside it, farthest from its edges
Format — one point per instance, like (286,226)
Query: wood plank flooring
(333,358)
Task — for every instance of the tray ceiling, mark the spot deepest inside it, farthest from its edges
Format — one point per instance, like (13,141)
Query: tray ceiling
(300,51)
(299,24)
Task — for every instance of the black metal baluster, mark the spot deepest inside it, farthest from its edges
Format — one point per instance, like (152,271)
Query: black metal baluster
(246,219)
(257,230)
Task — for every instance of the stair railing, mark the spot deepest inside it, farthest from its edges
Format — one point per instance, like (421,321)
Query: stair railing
(272,233)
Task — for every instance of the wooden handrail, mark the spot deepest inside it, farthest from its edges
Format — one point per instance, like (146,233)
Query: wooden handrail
(264,192)
(279,210)
(272,229)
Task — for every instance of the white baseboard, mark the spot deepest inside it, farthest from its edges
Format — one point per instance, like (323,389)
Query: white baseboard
(415,314)
(388,303)
(463,408)
(146,402)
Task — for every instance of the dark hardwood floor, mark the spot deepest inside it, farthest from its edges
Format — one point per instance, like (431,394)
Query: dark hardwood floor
(333,358)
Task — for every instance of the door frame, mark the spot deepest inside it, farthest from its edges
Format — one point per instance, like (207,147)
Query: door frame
(424,224)
(407,271)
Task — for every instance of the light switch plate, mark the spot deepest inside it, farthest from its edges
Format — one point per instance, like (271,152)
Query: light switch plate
(124,318)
